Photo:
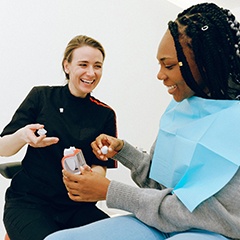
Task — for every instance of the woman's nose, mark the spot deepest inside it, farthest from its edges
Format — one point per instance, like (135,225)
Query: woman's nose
(90,71)
(161,75)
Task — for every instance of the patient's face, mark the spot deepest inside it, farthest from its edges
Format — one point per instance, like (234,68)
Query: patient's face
(170,72)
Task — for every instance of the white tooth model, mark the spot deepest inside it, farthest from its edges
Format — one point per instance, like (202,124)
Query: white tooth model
(73,159)
(41,131)
(104,150)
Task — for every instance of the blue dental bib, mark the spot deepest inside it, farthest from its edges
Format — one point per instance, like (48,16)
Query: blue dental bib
(197,149)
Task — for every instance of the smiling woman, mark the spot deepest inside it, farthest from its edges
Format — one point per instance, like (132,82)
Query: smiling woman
(82,64)
(170,72)
(188,185)
(85,70)
(37,197)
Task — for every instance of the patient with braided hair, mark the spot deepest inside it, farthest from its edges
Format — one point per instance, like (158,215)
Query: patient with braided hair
(188,185)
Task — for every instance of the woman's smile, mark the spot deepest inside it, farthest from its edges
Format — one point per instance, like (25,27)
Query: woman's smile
(171,89)
(88,81)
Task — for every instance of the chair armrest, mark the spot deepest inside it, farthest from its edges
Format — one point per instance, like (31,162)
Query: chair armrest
(8,170)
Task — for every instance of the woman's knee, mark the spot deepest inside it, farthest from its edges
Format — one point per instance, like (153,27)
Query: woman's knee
(197,235)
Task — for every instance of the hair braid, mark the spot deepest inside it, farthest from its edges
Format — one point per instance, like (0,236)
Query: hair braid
(214,37)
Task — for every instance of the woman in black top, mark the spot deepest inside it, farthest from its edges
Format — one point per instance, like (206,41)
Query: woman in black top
(37,202)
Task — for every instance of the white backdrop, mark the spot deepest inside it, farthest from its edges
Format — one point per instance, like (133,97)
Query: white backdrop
(34,35)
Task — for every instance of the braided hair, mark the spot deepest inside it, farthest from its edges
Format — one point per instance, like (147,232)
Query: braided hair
(213,35)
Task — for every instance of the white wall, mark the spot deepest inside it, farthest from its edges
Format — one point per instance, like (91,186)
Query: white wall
(34,35)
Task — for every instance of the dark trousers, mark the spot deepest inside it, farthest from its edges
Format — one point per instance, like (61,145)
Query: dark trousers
(35,223)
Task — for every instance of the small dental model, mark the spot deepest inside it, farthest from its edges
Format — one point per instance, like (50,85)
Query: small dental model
(73,159)
(104,150)
(41,131)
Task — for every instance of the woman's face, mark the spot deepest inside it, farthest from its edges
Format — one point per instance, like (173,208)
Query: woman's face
(170,72)
(85,70)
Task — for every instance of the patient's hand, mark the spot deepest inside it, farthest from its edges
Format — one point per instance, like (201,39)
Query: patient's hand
(114,145)
(89,186)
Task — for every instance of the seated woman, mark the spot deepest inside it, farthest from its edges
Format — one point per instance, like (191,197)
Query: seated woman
(37,202)
(189,183)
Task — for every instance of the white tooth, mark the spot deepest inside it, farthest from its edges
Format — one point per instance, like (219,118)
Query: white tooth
(171,87)
(88,82)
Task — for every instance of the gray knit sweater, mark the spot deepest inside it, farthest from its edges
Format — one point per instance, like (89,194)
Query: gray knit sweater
(156,206)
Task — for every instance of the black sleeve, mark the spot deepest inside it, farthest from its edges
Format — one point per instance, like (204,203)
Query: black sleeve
(112,132)
(25,114)
(110,128)
(111,125)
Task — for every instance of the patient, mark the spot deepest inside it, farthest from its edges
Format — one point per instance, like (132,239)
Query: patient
(196,150)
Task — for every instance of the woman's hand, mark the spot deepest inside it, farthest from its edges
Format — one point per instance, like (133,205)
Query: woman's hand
(27,134)
(89,186)
(12,143)
(114,145)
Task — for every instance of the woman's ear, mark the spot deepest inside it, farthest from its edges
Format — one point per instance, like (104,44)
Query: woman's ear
(66,66)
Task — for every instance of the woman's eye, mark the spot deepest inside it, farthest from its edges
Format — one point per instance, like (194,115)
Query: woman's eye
(98,66)
(169,67)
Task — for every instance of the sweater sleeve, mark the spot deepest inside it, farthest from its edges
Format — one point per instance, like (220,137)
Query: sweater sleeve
(163,210)
(139,163)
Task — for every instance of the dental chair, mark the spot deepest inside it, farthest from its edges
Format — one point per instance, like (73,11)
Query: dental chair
(8,170)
